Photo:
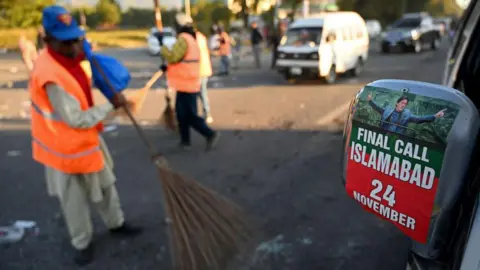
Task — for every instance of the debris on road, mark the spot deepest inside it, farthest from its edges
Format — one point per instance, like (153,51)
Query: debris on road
(14,153)
(19,230)
(275,248)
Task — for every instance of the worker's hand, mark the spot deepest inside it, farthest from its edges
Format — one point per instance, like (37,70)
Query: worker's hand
(440,114)
(130,105)
(118,100)
(163,67)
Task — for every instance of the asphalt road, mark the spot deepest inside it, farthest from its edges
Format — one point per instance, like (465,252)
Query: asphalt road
(278,157)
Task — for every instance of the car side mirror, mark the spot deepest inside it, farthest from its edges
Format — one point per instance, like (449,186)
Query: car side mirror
(407,147)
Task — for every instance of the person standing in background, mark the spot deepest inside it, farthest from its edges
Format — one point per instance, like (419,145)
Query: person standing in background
(224,51)
(205,72)
(236,35)
(214,40)
(276,38)
(256,39)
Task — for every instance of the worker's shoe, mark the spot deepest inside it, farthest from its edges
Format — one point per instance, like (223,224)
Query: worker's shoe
(84,256)
(126,230)
(212,141)
(185,146)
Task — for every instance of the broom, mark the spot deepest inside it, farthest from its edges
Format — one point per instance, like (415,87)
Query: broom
(206,230)
(168,118)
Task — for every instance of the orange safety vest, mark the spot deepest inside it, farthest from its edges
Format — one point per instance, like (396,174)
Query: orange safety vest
(54,143)
(205,63)
(184,76)
(225,48)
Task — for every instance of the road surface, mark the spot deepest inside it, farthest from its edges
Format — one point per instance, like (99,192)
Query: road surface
(278,157)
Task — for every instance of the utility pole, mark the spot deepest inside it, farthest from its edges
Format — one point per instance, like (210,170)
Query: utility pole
(158,16)
(306,8)
(187,8)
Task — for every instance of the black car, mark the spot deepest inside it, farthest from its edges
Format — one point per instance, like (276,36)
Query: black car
(411,33)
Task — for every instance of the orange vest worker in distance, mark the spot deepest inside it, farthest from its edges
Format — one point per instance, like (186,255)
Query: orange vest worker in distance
(183,75)
(225,46)
(55,144)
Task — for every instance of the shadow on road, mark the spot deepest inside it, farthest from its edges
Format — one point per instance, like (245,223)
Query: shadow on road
(287,179)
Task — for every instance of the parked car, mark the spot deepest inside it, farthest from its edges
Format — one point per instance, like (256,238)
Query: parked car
(374,28)
(169,38)
(414,32)
(324,46)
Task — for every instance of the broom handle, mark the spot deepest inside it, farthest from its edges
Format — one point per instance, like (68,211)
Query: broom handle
(141,132)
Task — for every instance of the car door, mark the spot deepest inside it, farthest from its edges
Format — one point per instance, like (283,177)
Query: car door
(458,49)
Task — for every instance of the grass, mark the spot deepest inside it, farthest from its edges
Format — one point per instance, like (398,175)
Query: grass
(103,38)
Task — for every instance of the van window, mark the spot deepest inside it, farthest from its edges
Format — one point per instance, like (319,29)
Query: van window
(347,34)
(303,36)
(359,33)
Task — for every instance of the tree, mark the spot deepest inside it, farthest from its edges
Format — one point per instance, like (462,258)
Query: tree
(22,13)
(108,13)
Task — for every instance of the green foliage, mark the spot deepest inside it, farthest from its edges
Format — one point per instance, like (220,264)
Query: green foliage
(206,14)
(108,12)
(22,13)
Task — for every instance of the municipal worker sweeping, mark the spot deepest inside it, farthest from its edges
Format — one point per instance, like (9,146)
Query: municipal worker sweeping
(66,137)
(183,75)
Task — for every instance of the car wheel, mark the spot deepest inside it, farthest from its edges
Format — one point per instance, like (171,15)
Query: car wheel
(417,47)
(331,77)
(358,67)
(435,44)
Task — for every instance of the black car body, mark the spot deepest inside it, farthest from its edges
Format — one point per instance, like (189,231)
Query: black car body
(411,33)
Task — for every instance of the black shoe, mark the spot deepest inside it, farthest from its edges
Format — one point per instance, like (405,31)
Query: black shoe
(212,141)
(84,256)
(185,146)
(126,231)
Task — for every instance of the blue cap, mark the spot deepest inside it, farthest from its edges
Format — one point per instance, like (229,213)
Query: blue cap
(58,23)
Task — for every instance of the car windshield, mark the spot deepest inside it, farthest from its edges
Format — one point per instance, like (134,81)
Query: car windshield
(303,36)
(165,33)
(407,23)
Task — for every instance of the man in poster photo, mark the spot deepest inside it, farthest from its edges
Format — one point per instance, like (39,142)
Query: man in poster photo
(395,119)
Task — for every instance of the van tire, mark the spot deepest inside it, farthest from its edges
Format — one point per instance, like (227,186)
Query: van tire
(331,77)
(435,44)
(357,69)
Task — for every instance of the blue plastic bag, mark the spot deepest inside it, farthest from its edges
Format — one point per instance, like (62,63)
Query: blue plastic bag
(117,74)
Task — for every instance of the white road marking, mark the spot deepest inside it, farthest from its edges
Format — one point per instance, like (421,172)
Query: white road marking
(338,112)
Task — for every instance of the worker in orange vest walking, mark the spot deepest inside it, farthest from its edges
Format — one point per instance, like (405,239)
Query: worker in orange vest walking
(205,72)
(183,75)
(225,51)
(66,139)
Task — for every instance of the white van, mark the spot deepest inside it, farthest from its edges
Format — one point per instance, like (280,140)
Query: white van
(323,46)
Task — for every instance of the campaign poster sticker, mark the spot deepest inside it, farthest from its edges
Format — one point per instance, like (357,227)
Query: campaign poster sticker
(395,154)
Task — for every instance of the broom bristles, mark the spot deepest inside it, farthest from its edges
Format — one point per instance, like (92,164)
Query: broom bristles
(206,229)
(168,118)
